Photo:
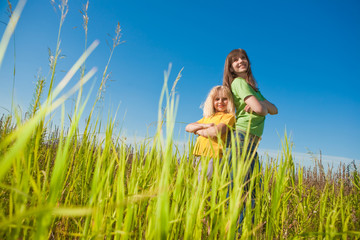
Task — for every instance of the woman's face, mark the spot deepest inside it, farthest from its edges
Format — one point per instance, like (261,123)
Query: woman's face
(220,102)
(240,64)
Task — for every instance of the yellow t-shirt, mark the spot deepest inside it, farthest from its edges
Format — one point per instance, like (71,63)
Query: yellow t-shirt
(205,146)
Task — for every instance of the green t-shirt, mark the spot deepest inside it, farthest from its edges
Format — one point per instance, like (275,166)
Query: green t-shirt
(241,89)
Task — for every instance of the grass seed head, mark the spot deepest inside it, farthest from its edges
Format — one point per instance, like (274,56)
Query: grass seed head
(9,9)
(85,16)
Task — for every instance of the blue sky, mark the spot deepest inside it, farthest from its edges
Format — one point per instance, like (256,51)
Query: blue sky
(304,55)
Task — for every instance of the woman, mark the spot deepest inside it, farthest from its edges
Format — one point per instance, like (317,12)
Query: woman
(251,109)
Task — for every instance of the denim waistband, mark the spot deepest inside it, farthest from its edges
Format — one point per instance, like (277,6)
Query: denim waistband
(252,138)
(239,134)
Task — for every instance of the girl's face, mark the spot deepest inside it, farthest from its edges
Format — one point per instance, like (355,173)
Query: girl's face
(220,102)
(240,64)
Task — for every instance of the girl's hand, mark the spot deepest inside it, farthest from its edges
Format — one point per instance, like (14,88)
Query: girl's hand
(195,126)
(213,131)
(207,125)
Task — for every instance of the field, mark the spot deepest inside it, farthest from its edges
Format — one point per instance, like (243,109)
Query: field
(60,182)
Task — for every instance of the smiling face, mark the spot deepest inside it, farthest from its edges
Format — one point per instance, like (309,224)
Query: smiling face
(237,64)
(240,64)
(220,102)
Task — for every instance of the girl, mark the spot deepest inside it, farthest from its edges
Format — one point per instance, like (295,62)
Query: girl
(251,108)
(212,128)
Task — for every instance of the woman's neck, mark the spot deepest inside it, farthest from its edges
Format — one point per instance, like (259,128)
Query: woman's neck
(242,75)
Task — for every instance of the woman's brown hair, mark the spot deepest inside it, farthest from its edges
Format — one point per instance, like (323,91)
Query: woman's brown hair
(230,75)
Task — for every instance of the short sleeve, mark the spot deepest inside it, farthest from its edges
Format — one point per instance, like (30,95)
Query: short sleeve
(262,98)
(241,88)
(201,120)
(228,119)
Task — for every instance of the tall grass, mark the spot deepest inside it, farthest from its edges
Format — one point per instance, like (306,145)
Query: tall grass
(60,183)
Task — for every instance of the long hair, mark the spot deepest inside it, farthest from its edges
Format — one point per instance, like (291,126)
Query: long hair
(229,75)
(209,110)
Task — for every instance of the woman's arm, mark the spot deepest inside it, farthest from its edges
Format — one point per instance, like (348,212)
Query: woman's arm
(272,109)
(255,105)
(195,126)
(213,131)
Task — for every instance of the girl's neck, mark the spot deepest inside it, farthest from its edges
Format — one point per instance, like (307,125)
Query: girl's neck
(216,112)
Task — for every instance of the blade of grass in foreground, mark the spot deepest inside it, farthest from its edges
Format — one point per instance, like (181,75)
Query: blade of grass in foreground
(60,167)
(162,206)
(10,29)
(26,130)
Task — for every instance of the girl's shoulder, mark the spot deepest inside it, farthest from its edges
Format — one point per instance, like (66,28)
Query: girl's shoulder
(227,118)
(224,115)
(216,116)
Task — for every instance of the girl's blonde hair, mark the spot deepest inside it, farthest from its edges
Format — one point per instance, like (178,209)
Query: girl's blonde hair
(209,109)
(229,75)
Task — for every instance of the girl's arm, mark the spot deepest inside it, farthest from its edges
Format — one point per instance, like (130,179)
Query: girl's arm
(195,126)
(213,131)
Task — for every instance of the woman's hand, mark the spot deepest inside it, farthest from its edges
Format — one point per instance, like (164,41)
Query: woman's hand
(272,109)
(247,108)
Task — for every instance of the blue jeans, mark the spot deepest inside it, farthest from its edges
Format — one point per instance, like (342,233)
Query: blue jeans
(251,156)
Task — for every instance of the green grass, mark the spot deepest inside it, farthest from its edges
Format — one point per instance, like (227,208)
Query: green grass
(61,183)
(64,185)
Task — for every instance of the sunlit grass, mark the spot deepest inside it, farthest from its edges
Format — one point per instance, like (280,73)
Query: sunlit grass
(62,183)
(69,186)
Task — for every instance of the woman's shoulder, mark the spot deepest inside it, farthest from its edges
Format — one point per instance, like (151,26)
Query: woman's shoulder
(241,88)
(238,82)
(239,79)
